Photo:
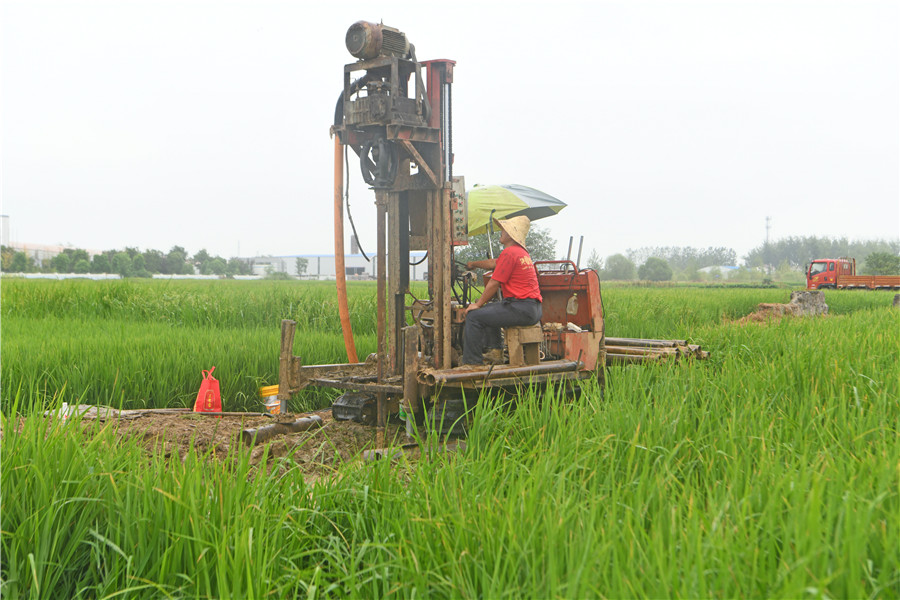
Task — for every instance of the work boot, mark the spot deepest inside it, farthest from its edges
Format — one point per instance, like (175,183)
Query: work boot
(493,356)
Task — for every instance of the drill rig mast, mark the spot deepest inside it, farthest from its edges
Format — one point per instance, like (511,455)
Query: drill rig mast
(395,113)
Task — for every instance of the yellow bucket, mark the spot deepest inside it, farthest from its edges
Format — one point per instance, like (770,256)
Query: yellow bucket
(269,395)
(268,390)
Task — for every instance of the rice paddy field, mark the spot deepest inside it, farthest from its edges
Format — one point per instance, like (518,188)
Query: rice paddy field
(770,470)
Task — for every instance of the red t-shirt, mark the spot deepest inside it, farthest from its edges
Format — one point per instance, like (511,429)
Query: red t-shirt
(516,274)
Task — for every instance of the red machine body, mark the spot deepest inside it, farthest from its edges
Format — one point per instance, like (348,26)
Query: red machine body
(572,296)
(572,310)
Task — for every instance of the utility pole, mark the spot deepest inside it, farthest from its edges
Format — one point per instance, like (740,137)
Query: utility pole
(767,251)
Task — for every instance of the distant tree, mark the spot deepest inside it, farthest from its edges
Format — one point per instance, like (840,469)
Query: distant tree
(202,256)
(742,274)
(22,263)
(595,262)
(477,248)
(61,263)
(882,263)
(686,258)
(121,264)
(154,261)
(76,254)
(786,272)
(655,269)
(618,268)
(6,258)
(218,266)
(541,246)
(208,264)
(176,261)
(690,272)
(139,266)
(276,275)
(799,251)
(714,274)
(237,266)
(100,264)
(82,266)
(302,264)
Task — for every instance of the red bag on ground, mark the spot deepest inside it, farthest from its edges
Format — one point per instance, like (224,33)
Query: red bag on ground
(208,398)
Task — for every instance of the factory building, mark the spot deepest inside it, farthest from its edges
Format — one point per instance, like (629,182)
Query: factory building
(322,266)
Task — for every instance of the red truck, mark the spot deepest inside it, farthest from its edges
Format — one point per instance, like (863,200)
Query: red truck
(840,274)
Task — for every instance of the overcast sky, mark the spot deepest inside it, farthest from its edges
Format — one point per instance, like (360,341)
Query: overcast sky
(205,124)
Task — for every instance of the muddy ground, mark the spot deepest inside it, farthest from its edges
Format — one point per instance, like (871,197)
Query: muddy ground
(317,452)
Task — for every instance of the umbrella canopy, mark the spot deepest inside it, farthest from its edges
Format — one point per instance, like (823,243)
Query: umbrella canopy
(505,201)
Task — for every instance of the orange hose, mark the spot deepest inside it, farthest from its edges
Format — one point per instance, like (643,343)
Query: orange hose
(340,271)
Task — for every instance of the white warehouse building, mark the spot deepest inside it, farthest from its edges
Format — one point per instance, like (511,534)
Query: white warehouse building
(322,266)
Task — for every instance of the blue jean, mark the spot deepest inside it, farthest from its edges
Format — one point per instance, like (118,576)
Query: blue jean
(483,325)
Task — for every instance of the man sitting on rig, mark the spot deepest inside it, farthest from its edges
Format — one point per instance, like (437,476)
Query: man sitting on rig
(515,276)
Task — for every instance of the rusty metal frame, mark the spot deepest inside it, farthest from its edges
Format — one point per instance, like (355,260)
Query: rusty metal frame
(399,369)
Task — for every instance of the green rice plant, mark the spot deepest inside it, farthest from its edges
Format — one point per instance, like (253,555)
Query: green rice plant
(769,470)
(134,365)
(180,303)
(89,516)
(768,473)
(145,343)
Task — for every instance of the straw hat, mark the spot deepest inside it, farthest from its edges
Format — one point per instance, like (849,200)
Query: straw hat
(516,227)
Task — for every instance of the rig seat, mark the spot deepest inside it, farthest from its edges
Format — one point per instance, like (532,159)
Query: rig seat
(524,345)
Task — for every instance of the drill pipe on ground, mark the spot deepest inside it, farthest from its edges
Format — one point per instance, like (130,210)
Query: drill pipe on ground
(640,351)
(630,359)
(640,343)
(633,350)
(430,377)
(226,414)
(251,437)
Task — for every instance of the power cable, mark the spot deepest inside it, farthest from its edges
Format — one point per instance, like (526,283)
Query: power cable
(347,200)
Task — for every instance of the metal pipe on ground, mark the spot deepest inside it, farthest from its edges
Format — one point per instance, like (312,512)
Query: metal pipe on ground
(611,341)
(629,359)
(453,376)
(228,414)
(640,351)
(251,437)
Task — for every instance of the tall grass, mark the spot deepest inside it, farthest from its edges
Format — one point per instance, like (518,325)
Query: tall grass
(136,365)
(145,343)
(208,304)
(90,516)
(768,471)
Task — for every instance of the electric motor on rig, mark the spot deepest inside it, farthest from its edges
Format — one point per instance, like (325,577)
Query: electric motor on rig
(367,40)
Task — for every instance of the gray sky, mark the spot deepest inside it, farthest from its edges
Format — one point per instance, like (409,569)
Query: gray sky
(205,124)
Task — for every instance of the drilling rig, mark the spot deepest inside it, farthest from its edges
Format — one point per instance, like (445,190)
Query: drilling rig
(395,114)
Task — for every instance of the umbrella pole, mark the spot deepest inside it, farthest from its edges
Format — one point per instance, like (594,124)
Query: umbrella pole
(490,233)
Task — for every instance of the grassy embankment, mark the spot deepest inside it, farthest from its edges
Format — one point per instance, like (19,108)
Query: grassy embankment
(770,470)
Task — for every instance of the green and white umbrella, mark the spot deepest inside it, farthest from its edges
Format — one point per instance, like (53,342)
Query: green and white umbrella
(486,202)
